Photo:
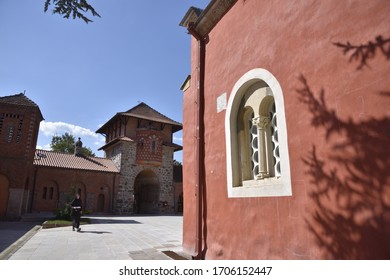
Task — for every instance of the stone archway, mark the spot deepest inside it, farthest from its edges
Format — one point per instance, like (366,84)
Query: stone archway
(146,193)
(4,194)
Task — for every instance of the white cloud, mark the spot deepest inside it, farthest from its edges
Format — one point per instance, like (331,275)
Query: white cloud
(100,142)
(49,129)
(59,128)
(45,147)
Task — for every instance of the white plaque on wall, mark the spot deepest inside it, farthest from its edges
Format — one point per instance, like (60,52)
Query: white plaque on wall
(221,102)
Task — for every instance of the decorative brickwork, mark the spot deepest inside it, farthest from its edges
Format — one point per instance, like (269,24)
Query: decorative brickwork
(149,147)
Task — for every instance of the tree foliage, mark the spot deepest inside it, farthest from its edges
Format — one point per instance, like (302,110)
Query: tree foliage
(74,8)
(66,144)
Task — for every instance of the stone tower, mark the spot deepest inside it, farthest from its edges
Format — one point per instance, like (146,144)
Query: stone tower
(139,141)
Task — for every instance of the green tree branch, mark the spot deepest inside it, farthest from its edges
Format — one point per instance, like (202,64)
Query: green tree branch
(74,8)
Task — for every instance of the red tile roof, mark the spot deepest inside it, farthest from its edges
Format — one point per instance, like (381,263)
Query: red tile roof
(18,99)
(69,161)
(116,140)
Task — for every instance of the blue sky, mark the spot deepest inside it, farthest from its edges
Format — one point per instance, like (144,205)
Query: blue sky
(82,74)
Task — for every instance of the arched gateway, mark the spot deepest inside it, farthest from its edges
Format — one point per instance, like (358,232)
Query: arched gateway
(146,193)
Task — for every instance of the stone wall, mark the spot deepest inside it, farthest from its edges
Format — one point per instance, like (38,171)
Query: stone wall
(124,196)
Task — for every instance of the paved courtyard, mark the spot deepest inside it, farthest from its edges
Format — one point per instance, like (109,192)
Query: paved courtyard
(106,238)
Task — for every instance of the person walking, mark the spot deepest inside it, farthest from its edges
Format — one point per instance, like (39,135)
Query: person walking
(77,206)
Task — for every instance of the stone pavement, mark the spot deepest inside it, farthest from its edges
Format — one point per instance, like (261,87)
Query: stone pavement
(105,238)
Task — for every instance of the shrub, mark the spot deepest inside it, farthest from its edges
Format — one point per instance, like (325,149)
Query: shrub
(65,212)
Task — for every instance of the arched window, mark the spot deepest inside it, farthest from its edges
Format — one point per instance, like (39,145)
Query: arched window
(256,138)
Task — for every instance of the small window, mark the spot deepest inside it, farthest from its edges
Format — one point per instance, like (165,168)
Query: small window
(51,191)
(154,144)
(44,194)
(10,133)
(1,122)
(19,132)
(10,127)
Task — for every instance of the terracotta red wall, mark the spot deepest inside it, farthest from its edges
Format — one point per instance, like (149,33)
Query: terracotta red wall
(337,114)
(189,161)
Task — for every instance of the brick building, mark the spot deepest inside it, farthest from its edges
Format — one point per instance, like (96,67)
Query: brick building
(136,176)
(19,126)
(58,175)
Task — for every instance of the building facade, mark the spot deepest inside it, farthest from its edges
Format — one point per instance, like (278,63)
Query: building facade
(286,120)
(136,176)
(58,176)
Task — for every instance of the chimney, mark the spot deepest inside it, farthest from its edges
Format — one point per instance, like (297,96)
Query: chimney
(78,149)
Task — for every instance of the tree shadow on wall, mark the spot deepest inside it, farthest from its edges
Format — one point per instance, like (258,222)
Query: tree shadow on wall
(364,52)
(351,184)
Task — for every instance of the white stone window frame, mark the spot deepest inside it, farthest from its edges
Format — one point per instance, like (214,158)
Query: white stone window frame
(268,187)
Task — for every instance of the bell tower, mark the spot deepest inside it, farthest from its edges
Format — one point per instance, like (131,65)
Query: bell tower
(19,125)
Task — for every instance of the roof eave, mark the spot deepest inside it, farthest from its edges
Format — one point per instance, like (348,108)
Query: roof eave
(176,147)
(141,117)
(192,15)
(114,141)
(210,16)
(102,129)
(75,169)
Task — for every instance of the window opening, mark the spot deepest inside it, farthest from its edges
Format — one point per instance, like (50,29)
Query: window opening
(44,195)
(19,132)
(10,133)
(51,191)
(257,158)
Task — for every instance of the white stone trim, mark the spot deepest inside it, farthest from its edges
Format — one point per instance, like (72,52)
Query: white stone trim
(256,188)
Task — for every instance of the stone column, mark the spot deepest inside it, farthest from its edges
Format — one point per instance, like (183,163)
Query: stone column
(261,123)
